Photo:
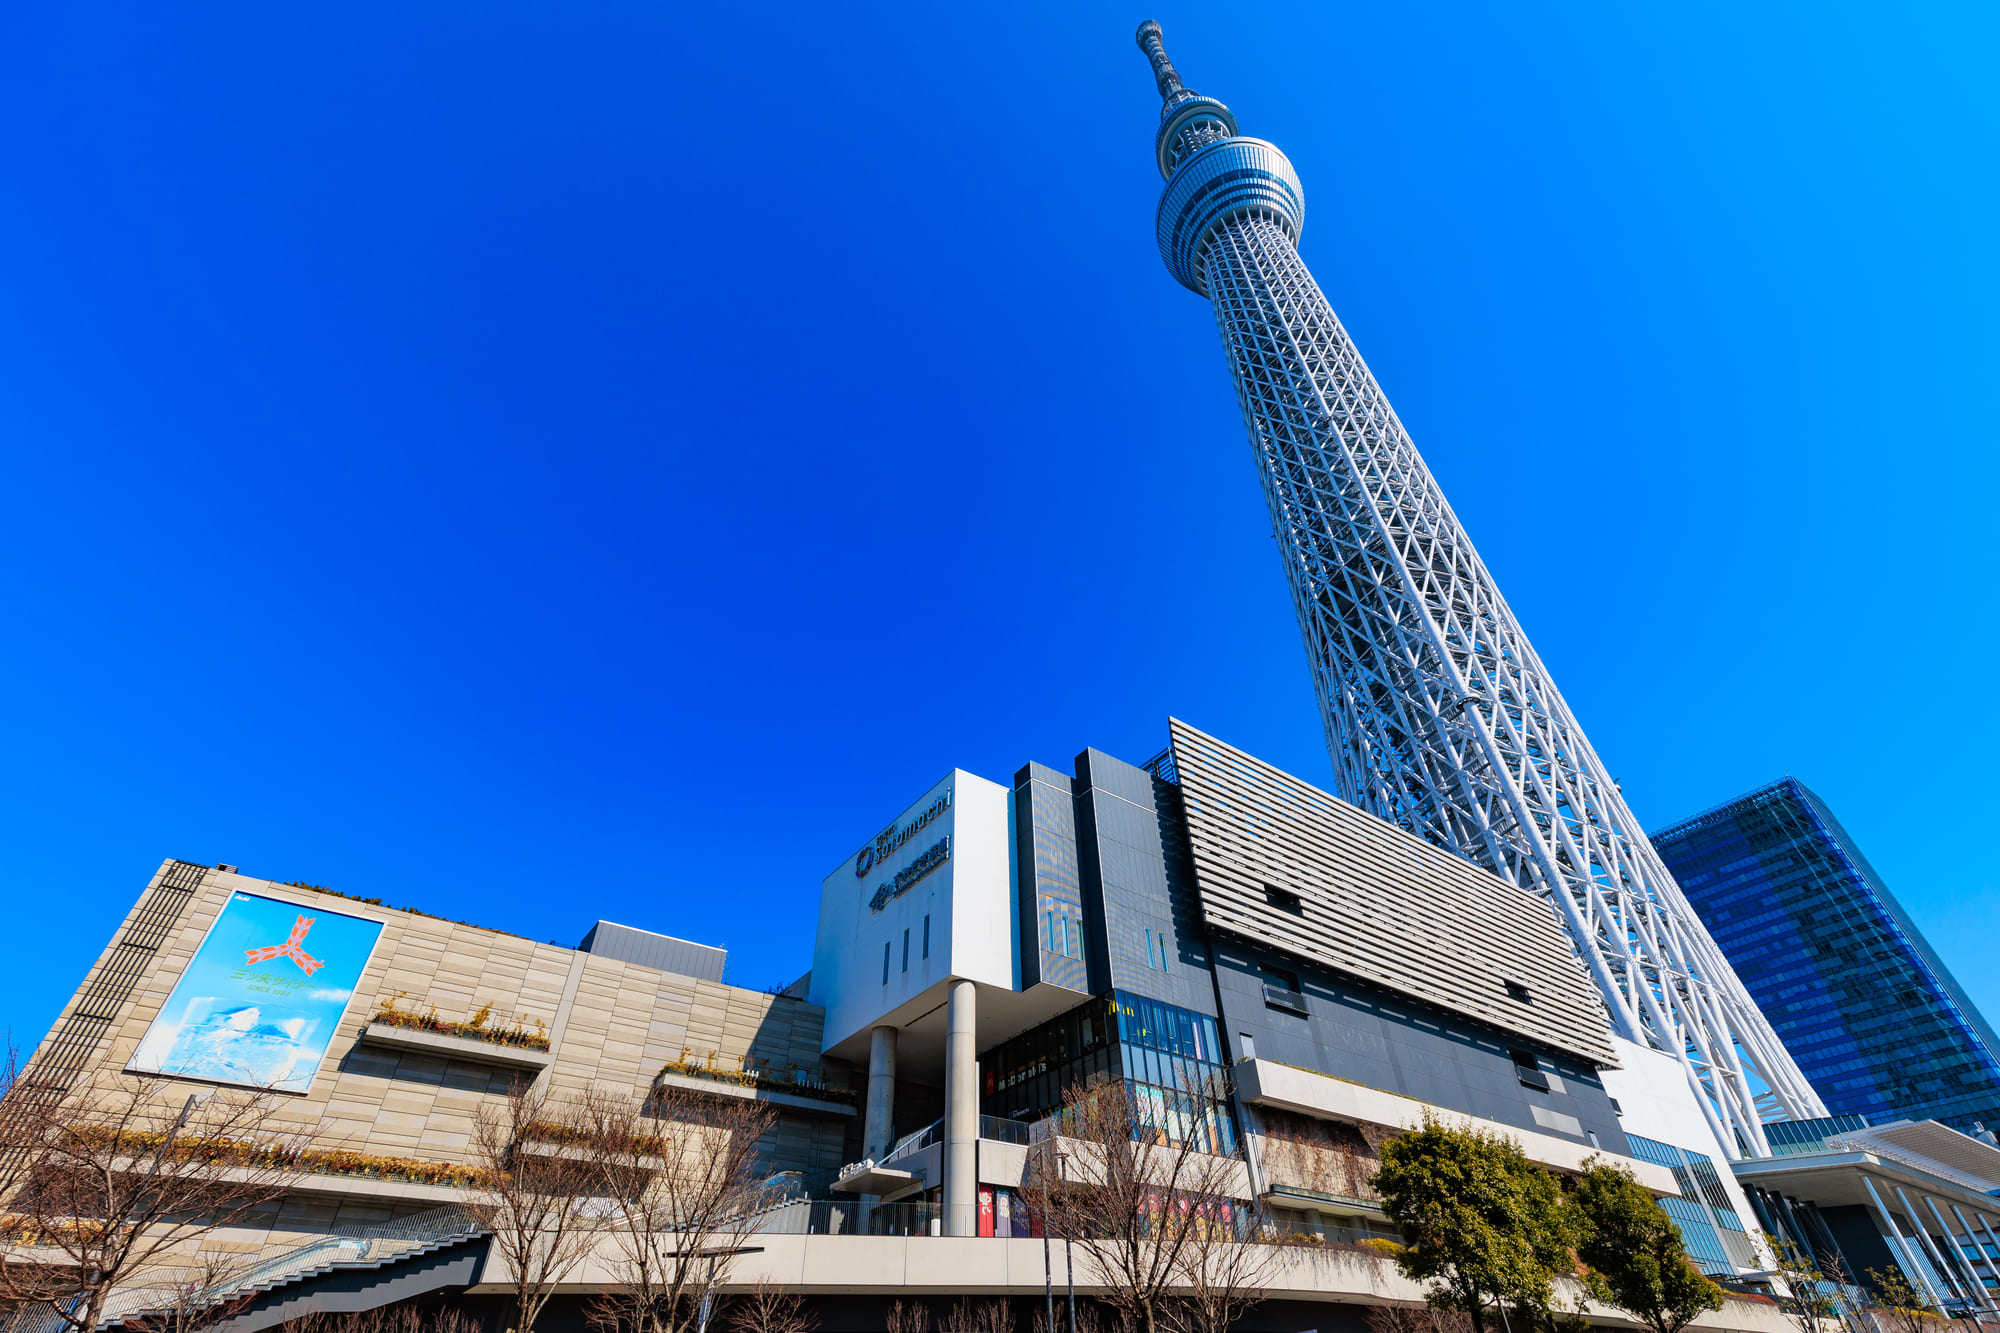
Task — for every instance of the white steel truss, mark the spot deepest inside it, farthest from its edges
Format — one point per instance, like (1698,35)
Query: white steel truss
(1438,714)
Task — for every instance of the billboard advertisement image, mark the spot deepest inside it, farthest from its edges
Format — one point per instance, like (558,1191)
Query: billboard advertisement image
(260,1002)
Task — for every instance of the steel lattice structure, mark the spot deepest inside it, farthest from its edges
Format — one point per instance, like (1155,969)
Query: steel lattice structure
(1438,714)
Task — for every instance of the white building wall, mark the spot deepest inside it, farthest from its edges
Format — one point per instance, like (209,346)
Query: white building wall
(1655,1102)
(968,899)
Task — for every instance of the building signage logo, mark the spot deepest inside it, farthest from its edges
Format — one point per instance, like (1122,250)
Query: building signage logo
(292,948)
(892,837)
(927,860)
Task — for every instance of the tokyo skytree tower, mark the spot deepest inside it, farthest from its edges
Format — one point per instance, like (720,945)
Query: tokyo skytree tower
(1438,714)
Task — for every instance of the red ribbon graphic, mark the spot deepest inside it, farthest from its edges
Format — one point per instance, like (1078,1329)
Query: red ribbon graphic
(289,949)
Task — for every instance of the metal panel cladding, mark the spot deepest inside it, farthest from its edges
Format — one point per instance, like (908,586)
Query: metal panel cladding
(1376,903)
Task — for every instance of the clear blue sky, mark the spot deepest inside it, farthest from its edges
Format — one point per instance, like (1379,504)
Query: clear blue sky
(536,463)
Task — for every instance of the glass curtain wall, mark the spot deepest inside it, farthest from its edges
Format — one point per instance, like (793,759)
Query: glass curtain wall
(1170,1057)
(1708,1223)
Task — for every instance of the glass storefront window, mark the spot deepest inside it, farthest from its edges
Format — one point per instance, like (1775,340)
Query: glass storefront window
(1163,1051)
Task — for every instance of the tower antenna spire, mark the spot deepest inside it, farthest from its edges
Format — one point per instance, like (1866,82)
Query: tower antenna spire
(1189,122)
(1164,74)
(1438,714)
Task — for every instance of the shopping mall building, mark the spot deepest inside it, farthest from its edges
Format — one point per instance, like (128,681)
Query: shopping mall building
(1201,915)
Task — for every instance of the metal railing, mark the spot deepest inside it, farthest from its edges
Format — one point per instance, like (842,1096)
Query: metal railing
(912,1143)
(1284,997)
(1329,1233)
(990,1127)
(373,1243)
(1006,1131)
(847,1217)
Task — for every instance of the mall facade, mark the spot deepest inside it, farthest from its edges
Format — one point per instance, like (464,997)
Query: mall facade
(1268,969)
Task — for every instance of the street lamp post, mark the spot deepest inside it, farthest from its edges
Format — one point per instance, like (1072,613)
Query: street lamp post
(1069,1265)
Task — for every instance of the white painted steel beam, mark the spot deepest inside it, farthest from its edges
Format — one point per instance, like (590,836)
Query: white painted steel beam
(1438,713)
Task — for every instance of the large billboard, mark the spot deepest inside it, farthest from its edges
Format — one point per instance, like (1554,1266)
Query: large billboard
(262,998)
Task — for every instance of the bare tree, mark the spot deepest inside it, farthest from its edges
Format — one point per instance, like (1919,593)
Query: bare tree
(1087,1319)
(15,1142)
(766,1308)
(682,1171)
(195,1298)
(402,1317)
(1227,1261)
(1134,1179)
(1900,1306)
(970,1316)
(1417,1319)
(1810,1300)
(914,1317)
(1833,1269)
(117,1179)
(541,1166)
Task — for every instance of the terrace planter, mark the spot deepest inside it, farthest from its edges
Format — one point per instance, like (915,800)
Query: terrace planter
(790,1101)
(389,1037)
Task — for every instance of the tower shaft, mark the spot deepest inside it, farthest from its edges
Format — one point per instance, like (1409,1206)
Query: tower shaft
(1438,714)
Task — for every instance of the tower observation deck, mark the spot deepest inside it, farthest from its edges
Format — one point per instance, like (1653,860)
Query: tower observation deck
(1438,714)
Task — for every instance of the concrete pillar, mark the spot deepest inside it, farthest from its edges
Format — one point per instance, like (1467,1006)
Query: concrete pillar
(961,1112)
(878,1121)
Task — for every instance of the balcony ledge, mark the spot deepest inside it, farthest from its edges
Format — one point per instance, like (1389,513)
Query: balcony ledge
(790,1101)
(1297,1196)
(1268,1083)
(389,1037)
(873,1179)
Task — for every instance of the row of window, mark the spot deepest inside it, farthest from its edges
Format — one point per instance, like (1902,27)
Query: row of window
(888,949)
(1062,928)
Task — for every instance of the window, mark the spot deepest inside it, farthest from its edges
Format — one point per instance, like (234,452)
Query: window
(1281,991)
(927,935)
(906,948)
(1156,949)
(1529,1070)
(885,962)
(1284,900)
(1063,923)
(1516,991)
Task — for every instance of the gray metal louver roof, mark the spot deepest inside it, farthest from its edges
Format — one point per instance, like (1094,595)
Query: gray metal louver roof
(1378,904)
(647,948)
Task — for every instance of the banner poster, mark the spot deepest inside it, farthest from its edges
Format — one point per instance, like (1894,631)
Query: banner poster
(262,998)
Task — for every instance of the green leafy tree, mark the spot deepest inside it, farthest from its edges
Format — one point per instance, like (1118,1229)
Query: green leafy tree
(1482,1222)
(1634,1251)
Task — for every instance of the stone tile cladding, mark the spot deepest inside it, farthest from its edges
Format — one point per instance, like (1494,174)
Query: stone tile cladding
(610,1023)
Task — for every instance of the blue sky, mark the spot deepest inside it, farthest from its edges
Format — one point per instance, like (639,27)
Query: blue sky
(536,463)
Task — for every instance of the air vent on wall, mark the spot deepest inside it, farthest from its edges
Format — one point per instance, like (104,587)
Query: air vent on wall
(1529,1070)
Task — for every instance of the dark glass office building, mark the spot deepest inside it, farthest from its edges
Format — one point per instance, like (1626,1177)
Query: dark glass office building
(1875,1020)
